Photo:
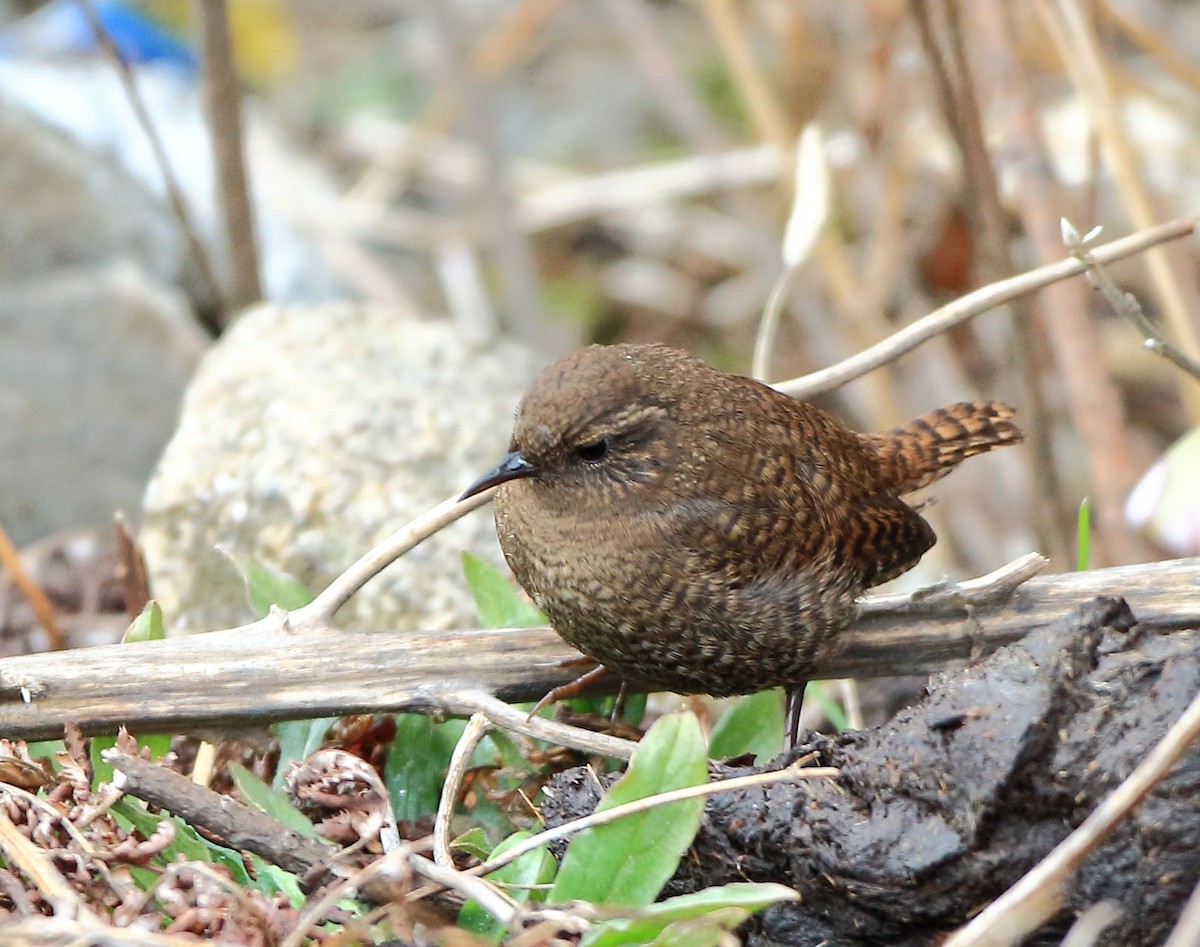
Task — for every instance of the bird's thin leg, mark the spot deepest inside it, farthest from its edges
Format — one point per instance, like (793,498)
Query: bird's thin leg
(576,688)
(619,703)
(791,718)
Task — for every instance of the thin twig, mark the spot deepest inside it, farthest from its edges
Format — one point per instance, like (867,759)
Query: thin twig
(1091,924)
(560,734)
(314,911)
(796,771)
(1126,304)
(321,609)
(498,904)
(971,305)
(567,829)
(764,340)
(170,183)
(223,104)
(10,560)
(1034,899)
(475,730)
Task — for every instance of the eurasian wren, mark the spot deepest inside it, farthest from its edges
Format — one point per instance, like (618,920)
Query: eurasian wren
(700,532)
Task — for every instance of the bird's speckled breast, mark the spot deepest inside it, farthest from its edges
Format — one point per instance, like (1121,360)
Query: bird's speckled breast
(659,622)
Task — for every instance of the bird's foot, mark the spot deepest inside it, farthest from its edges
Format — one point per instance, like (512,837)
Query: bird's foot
(580,687)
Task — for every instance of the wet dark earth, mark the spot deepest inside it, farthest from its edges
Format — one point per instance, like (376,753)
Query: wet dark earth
(941,809)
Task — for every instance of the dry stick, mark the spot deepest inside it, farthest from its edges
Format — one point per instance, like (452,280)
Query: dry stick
(1126,304)
(223,103)
(240,826)
(170,184)
(971,305)
(61,931)
(10,559)
(1038,896)
(575,826)
(498,904)
(1091,924)
(202,681)
(476,727)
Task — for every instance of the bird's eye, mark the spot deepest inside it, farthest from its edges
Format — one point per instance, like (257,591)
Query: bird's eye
(593,452)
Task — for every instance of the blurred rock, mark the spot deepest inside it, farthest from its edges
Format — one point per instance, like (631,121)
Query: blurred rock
(67,206)
(311,433)
(92,369)
(87,103)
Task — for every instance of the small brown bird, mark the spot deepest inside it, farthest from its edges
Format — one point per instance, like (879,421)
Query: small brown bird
(700,532)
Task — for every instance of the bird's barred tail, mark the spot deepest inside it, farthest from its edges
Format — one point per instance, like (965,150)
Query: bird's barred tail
(916,454)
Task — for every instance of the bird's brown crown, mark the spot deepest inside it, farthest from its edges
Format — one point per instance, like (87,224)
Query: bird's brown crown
(604,399)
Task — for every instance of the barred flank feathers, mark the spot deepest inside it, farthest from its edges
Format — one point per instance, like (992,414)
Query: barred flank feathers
(916,454)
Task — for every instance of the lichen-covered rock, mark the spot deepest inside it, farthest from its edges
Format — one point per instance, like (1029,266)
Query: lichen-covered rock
(310,433)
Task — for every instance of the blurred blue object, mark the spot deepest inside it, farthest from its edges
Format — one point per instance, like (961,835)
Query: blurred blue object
(61,27)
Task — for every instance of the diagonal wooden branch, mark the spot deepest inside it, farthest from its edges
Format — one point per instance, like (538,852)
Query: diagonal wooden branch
(264,672)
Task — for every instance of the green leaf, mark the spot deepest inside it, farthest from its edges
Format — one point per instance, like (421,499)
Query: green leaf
(532,868)
(298,740)
(628,861)
(499,603)
(187,842)
(274,802)
(1083,537)
(267,586)
(474,842)
(148,626)
(753,724)
(271,879)
(416,764)
(157,743)
(722,908)
(829,706)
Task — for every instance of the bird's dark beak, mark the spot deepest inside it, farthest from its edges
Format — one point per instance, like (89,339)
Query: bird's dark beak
(513,467)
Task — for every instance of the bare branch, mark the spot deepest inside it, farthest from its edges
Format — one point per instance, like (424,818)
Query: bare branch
(208,680)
